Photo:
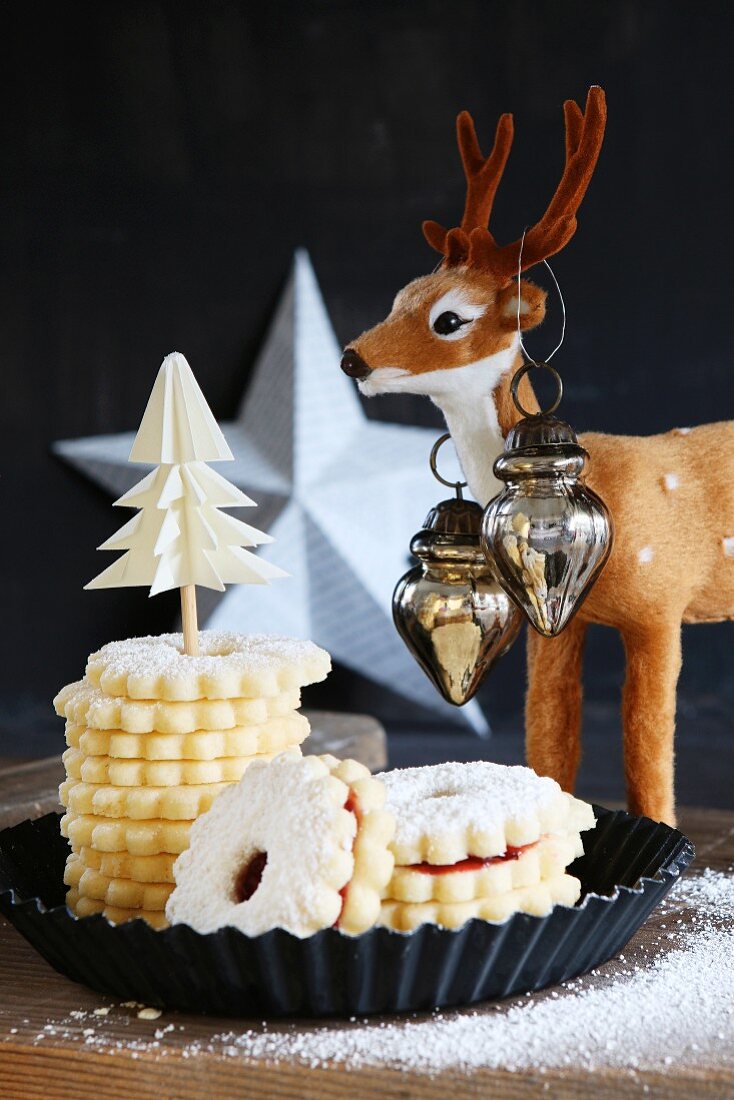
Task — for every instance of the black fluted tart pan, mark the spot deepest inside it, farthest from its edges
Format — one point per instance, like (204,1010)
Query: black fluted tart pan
(629,865)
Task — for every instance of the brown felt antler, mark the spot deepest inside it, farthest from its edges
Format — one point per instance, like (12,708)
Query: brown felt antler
(482,179)
(472,242)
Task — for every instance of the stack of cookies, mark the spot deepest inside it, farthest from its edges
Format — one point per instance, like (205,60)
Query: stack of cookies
(153,737)
(479,840)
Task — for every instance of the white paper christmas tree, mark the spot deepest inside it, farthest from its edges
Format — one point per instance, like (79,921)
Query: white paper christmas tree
(179,537)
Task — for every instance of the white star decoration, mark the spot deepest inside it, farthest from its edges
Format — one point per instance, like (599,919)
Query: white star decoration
(341,494)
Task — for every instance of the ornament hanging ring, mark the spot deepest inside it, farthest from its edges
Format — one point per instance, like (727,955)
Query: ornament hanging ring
(456,485)
(520,374)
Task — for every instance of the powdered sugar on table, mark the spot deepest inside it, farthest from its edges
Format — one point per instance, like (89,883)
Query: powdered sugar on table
(671,1008)
(680,1007)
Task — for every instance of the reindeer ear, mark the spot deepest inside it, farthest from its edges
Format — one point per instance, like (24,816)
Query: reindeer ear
(532,305)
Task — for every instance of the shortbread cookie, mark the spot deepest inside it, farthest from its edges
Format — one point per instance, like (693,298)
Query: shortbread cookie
(157,868)
(139,803)
(230,666)
(275,851)
(538,900)
(122,893)
(158,773)
(271,736)
(139,838)
(373,862)
(478,878)
(449,812)
(84,704)
(88,907)
(278,851)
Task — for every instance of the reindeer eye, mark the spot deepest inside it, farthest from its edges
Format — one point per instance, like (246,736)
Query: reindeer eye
(448,322)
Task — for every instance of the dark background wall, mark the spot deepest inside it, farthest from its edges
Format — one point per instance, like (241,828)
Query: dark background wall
(161,161)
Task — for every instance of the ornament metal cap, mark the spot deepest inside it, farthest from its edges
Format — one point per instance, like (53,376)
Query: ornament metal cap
(449,610)
(541,444)
(547,533)
(451,532)
(454,516)
(542,430)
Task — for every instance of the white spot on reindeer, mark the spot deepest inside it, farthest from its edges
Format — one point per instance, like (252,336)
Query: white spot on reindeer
(728,543)
(682,431)
(671,482)
(645,555)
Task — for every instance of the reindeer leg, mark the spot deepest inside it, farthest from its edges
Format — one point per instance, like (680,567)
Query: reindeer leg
(648,717)
(553,703)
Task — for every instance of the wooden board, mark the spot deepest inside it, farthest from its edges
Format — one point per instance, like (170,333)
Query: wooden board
(36,1001)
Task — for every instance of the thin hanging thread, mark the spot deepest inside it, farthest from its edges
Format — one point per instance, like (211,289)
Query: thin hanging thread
(525,351)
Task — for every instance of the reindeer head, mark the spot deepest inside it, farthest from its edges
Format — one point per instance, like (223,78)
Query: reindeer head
(460,322)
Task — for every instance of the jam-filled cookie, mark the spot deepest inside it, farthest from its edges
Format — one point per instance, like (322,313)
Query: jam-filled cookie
(480,841)
(299,844)
(449,812)
(536,900)
(478,877)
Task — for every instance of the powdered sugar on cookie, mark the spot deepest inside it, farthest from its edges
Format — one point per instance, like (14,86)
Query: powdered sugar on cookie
(286,821)
(450,811)
(299,844)
(229,666)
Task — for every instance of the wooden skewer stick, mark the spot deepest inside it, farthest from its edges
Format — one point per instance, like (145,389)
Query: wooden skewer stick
(189,620)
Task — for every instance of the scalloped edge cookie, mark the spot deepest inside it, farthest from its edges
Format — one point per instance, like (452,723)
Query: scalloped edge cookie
(122,893)
(229,666)
(373,861)
(272,736)
(537,900)
(105,770)
(155,868)
(89,907)
(139,838)
(448,812)
(139,803)
(83,703)
(319,823)
(547,858)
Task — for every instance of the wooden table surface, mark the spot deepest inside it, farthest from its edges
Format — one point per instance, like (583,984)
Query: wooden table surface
(53,1046)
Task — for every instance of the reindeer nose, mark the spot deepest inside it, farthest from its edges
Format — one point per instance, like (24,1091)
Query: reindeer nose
(354,365)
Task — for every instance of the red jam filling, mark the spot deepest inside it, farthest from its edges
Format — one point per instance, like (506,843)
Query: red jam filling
(352,807)
(248,879)
(473,863)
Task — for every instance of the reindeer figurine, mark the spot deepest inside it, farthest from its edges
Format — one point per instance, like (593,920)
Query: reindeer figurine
(452,336)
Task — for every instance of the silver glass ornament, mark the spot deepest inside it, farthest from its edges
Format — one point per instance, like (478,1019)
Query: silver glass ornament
(449,609)
(547,533)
